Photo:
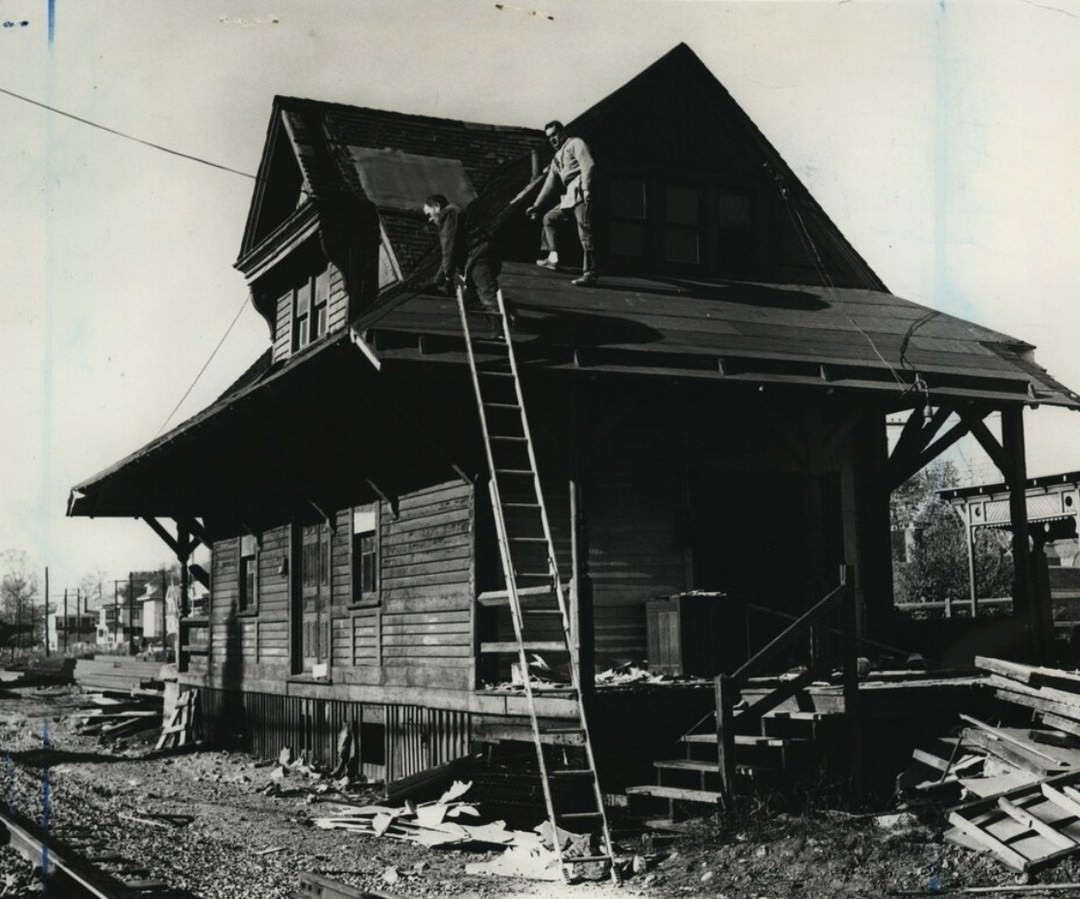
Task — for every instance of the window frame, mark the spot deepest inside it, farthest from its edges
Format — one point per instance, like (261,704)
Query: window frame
(248,556)
(357,597)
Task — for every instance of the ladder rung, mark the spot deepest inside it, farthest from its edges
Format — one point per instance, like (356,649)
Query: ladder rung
(509,439)
(521,505)
(496,597)
(516,471)
(585,859)
(532,573)
(501,406)
(534,646)
(528,539)
(567,816)
(572,772)
(495,374)
(541,611)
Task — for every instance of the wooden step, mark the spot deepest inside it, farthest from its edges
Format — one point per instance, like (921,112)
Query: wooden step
(688,765)
(500,597)
(562,736)
(680,793)
(742,740)
(533,646)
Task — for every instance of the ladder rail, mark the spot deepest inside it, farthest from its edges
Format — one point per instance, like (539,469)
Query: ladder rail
(572,654)
(507,563)
(513,595)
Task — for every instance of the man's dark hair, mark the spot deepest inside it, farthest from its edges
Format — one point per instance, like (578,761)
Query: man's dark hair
(556,124)
(437,200)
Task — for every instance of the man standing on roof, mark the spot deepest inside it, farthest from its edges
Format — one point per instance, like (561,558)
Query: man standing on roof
(476,264)
(571,170)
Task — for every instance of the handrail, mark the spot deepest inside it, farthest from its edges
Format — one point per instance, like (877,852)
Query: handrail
(727,687)
(796,629)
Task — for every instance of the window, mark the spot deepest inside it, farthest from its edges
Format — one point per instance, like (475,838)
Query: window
(310,309)
(248,592)
(365,553)
(627,217)
(313,595)
(682,225)
(737,244)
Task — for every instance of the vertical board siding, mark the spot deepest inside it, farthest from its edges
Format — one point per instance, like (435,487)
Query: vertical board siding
(415,738)
(426,588)
(419,738)
(273,599)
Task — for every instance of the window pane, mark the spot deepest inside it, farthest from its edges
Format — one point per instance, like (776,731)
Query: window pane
(322,288)
(303,299)
(681,245)
(734,211)
(627,238)
(319,325)
(682,205)
(302,336)
(627,198)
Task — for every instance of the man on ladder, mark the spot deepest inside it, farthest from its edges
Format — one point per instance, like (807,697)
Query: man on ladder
(476,265)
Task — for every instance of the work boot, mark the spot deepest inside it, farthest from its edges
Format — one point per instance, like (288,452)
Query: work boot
(551,261)
(588,279)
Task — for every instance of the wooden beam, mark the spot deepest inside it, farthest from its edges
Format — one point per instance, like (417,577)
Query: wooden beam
(159,529)
(987,440)
(1036,621)
(903,468)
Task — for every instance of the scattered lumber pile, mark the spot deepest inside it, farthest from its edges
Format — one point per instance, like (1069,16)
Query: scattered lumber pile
(118,674)
(108,718)
(443,822)
(1019,786)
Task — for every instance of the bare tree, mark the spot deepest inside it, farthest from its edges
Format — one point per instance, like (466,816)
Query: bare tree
(19,605)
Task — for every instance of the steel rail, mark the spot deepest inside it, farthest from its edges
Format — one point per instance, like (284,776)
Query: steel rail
(35,846)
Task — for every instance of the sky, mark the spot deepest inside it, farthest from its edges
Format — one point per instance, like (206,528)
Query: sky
(941,137)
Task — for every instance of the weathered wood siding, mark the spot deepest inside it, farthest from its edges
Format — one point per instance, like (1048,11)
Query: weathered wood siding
(427,588)
(337,312)
(283,327)
(631,503)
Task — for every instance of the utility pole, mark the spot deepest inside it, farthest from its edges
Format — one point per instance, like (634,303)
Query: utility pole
(46,610)
(116,611)
(131,613)
(164,630)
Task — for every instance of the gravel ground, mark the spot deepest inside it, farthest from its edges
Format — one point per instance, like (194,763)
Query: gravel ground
(241,842)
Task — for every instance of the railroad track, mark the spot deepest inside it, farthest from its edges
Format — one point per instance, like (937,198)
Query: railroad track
(79,868)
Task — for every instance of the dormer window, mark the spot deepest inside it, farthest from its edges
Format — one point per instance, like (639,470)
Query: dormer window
(682,224)
(311,300)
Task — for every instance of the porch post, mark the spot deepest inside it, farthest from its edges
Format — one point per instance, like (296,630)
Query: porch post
(1034,620)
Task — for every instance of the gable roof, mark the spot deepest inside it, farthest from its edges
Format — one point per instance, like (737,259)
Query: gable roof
(330,143)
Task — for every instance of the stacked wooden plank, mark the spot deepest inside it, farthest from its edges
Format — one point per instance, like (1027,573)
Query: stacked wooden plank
(118,674)
(108,719)
(1051,693)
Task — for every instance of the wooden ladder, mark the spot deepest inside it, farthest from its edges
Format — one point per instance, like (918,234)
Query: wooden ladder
(530,570)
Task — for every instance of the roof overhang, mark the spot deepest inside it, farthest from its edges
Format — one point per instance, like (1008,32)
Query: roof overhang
(320,427)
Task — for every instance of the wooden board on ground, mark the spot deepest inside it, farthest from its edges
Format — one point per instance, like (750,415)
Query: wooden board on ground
(1026,827)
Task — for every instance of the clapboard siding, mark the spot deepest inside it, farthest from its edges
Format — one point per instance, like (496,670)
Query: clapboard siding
(341,562)
(633,553)
(273,603)
(224,579)
(337,312)
(283,327)
(426,584)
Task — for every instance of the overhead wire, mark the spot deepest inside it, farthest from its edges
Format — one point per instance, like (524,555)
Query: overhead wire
(205,365)
(807,240)
(126,136)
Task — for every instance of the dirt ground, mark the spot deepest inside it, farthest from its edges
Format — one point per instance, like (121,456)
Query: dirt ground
(234,839)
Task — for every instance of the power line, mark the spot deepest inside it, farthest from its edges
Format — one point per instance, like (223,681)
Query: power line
(228,330)
(125,135)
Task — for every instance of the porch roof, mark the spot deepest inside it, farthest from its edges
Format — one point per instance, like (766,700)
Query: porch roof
(825,337)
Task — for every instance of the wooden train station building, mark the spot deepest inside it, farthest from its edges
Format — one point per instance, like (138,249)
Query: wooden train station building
(710,417)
